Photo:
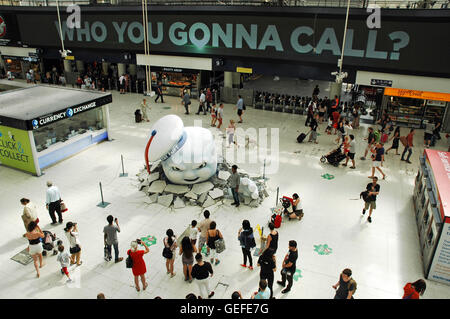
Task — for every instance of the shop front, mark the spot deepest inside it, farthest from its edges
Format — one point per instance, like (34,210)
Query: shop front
(175,80)
(43,125)
(413,108)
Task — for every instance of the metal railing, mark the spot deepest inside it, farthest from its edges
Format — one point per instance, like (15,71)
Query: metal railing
(392,4)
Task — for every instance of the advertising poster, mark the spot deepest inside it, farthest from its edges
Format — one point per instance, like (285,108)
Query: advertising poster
(440,268)
(15,149)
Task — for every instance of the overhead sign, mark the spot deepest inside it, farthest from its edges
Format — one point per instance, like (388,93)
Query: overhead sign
(309,38)
(414,94)
(15,149)
(244,70)
(70,57)
(377,82)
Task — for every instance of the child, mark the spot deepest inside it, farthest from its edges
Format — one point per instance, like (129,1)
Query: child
(213,115)
(346,145)
(64,259)
(230,132)
(194,231)
(328,129)
(219,115)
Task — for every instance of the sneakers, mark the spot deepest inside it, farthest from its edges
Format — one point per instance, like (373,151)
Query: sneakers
(364,211)
(245,266)
(119,260)
(369,219)
(352,167)
(234,203)
(211,294)
(173,275)
(237,205)
(284,291)
(280,283)
(250,267)
(69,280)
(408,162)
(362,158)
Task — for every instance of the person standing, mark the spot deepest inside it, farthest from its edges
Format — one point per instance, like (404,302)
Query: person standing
(370,142)
(193,232)
(72,235)
(29,213)
(220,115)
(409,146)
(316,91)
(159,92)
(395,139)
(170,244)
(145,107)
(247,241)
(64,260)
(209,99)
(203,227)
(267,262)
(34,235)
(213,115)
(201,272)
(415,289)
(263,292)
(310,112)
(53,203)
(272,239)
(378,159)
(212,235)
(373,190)
(288,267)
(429,131)
(240,108)
(122,84)
(230,132)
(110,238)
(201,104)
(313,125)
(139,269)
(234,185)
(187,250)
(351,152)
(346,284)
(186,101)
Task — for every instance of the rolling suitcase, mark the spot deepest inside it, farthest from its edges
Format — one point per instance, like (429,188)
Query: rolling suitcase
(138,116)
(302,136)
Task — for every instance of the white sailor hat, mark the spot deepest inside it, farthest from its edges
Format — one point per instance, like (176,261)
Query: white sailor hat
(167,137)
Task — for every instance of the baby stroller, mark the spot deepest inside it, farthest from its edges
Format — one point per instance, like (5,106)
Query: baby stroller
(48,243)
(334,157)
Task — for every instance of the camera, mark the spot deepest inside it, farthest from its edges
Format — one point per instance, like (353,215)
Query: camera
(139,241)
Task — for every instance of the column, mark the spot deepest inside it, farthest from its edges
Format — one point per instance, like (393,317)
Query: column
(335,89)
(228,79)
(80,66)
(68,66)
(132,69)
(236,80)
(105,67)
(121,69)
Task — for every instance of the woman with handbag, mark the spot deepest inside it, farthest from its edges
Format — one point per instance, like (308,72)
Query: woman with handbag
(170,244)
(71,231)
(212,235)
(139,269)
(29,213)
(187,251)
(34,235)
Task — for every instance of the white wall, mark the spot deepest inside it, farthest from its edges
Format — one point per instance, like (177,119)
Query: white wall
(16,51)
(174,61)
(410,82)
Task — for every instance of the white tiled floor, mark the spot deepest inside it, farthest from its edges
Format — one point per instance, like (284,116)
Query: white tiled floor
(383,255)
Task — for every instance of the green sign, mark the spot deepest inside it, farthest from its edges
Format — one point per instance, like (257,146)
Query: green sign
(149,240)
(327,176)
(297,274)
(323,249)
(15,149)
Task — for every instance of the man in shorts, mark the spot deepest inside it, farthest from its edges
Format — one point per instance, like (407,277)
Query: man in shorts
(373,189)
(378,159)
(203,227)
(351,152)
(370,142)
(240,108)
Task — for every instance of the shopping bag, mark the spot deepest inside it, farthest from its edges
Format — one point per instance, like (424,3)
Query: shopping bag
(63,207)
(220,245)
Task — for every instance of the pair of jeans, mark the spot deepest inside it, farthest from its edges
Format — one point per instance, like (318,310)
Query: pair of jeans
(409,150)
(159,96)
(116,251)
(203,286)
(289,276)
(235,195)
(246,252)
(55,207)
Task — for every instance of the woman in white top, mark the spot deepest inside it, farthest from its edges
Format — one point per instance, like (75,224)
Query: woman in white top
(75,247)
(297,208)
(34,235)
(29,213)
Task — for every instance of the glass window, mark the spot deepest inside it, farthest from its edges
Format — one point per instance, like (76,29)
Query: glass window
(64,130)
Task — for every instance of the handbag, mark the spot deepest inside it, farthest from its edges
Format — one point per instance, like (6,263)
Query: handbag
(129,262)
(63,207)
(167,253)
(220,245)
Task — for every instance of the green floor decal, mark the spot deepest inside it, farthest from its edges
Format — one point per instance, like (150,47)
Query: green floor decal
(166,107)
(297,274)
(327,176)
(323,249)
(149,240)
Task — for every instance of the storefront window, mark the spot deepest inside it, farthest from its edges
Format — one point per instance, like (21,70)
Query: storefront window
(64,130)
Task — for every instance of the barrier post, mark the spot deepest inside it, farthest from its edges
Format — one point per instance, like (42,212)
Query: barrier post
(103,204)
(123,174)
(276,199)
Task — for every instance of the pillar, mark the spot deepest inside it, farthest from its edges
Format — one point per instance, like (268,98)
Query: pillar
(228,79)
(132,69)
(80,66)
(236,80)
(199,83)
(335,89)
(68,66)
(105,67)
(121,69)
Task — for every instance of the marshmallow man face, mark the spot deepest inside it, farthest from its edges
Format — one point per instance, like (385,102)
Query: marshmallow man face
(196,161)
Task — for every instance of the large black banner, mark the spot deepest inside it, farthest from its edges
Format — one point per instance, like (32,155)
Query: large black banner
(420,45)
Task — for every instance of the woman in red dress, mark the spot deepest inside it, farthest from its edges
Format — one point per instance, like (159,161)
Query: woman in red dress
(138,268)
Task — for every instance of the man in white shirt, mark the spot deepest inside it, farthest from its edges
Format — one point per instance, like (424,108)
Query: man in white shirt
(122,84)
(201,105)
(53,203)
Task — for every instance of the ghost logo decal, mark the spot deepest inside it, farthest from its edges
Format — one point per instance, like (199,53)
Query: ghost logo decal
(1,134)
(2,27)
(35,123)
(69,112)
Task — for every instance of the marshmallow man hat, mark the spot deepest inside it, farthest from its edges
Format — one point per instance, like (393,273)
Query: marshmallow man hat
(167,137)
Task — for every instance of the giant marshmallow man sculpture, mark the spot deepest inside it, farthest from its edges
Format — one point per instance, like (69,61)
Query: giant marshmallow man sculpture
(187,154)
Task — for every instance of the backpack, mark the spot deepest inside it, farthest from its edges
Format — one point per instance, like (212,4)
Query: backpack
(376,135)
(248,241)
(384,138)
(350,283)
(364,195)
